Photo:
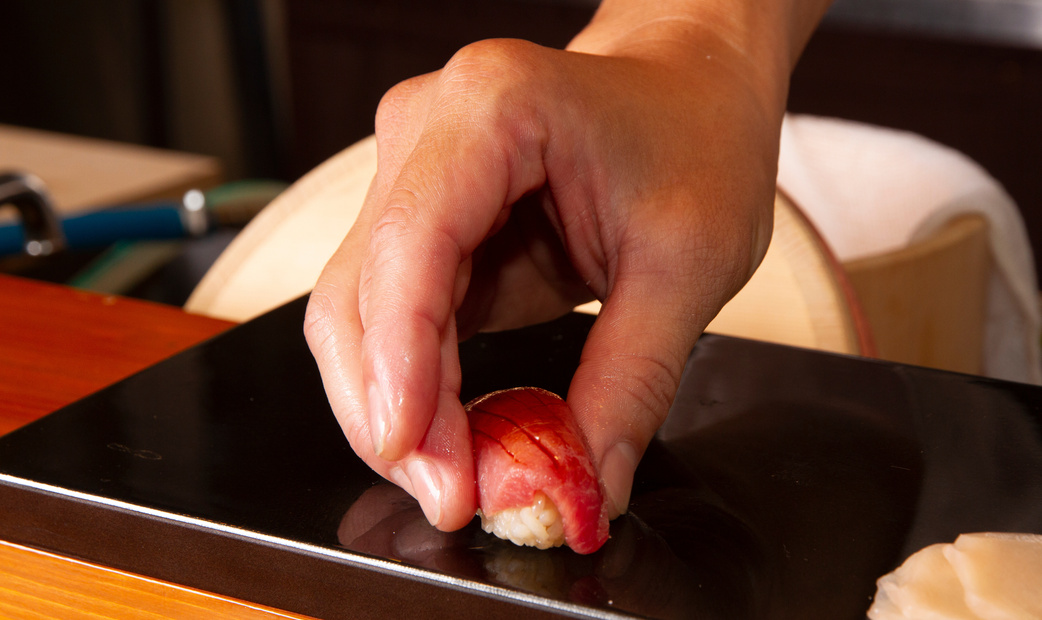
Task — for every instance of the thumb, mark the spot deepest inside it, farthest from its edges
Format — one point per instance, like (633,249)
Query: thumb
(628,375)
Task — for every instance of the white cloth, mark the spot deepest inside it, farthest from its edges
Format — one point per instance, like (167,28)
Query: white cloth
(870,190)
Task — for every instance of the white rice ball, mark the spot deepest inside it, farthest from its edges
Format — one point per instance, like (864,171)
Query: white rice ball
(538,525)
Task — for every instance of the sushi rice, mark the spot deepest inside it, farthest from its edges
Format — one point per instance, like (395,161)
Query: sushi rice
(538,525)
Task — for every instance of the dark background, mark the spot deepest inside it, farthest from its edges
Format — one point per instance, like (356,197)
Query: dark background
(288,83)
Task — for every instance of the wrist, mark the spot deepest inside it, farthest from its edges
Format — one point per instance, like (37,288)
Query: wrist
(759,41)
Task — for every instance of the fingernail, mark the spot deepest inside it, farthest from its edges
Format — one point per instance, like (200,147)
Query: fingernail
(378,413)
(617,468)
(399,477)
(426,485)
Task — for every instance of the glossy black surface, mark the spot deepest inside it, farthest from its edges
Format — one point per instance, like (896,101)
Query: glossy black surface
(783,484)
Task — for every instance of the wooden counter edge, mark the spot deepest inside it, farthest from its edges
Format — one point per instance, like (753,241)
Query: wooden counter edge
(38,584)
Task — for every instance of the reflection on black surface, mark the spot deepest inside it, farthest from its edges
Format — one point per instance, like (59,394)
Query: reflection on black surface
(636,570)
(782,511)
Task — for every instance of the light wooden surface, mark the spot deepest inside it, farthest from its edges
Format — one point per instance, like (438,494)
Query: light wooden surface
(57,345)
(81,173)
(280,254)
(926,303)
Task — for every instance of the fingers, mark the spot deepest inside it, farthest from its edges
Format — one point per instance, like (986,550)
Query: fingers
(437,469)
(630,369)
(661,299)
(455,153)
(443,191)
(438,472)
(381,321)
(435,216)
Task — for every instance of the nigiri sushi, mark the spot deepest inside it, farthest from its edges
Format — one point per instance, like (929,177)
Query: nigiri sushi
(536,482)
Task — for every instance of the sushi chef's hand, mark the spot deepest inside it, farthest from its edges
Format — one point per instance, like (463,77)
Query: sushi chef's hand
(637,167)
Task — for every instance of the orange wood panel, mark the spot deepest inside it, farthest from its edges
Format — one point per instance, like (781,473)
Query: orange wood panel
(58,344)
(35,584)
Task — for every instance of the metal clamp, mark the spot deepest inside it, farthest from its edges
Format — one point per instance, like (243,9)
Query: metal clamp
(26,192)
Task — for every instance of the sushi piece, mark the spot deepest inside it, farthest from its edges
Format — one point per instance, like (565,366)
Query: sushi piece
(536,482)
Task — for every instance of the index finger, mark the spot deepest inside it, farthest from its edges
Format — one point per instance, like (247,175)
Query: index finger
(447,198)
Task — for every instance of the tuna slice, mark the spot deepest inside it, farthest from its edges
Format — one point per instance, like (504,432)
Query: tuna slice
(536,481)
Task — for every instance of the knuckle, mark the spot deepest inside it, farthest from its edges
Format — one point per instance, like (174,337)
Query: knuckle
(396,103)
(319,318)
(357,433)
(651,385)
(501,71)
(397,217)
(492,55)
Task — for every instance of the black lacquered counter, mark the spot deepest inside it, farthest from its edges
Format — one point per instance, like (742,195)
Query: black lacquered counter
(783,484)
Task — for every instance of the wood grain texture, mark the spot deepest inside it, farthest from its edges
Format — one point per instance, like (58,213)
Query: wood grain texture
(799,296)
(58,344)
(926,303)
(36,585)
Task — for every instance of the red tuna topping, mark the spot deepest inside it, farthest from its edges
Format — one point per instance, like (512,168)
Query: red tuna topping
(528,450)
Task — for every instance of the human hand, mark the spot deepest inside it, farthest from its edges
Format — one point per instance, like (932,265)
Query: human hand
(637,168)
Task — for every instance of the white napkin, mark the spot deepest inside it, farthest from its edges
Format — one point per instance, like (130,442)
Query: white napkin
(870,190)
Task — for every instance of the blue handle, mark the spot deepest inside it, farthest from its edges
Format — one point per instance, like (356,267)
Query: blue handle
(102,228)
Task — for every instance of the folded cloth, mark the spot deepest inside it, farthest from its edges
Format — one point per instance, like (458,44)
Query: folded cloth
(871,190)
